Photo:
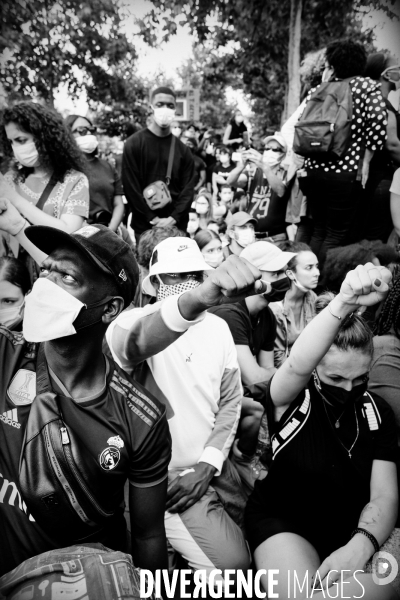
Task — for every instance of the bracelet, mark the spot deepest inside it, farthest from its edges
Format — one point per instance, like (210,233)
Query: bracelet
(21,229)
(369,535)
(336,317)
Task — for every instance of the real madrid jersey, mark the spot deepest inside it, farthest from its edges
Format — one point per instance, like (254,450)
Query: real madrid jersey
(125,432)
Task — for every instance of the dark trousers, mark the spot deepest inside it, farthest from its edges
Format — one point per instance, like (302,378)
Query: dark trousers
(376,221)
(333,200)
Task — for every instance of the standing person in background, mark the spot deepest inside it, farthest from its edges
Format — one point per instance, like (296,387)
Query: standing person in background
(50,188)
(267,190)
(236,132)
(15,283)
(296,310)
(240,231)
(333,187)
(375,222)
(105,188)
(145,161)
(221,170)
(199,164)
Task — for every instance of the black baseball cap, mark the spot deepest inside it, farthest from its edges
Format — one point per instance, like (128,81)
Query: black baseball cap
(102,246)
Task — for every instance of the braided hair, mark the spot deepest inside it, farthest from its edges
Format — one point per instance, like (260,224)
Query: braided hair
(390,314)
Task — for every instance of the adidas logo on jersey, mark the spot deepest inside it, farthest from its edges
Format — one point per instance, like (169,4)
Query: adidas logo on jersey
(10,417)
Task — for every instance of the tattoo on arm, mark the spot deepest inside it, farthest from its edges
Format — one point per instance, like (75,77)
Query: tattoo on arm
(370,515)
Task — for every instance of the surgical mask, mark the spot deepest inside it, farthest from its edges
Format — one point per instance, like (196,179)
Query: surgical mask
(210,149)
(272,158)
(202,209)
(50,312)
(177,288)
(192,226)
(87,143)
(12,316)
(26,154)
(245,237)
(239,119)
(278,290)
(176,131)
(164,116)
(215,259)
(338,396)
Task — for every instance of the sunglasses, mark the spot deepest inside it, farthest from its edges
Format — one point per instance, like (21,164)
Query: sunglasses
(84,130)
(392,73)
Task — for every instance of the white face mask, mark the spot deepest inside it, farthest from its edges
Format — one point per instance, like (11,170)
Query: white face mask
(165,290)
(176,131)
(49,312)
(298,284)
(192,226)
(12,316)
(87,143)
(272,158)
(164,116)
(215,259)
(245,237)
(27,154)
(202,209)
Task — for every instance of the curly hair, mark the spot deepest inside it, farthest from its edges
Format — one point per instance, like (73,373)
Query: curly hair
(149,240)
(58,150)
(347,58)
(390,313)
(354,332)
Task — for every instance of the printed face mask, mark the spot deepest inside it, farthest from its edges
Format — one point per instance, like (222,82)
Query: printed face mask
(215,259)
(337,395)
(245,237)
(50,312)
(278,290)
(164,116)
(27,154)
(171,290)
(87,143)
(12,316)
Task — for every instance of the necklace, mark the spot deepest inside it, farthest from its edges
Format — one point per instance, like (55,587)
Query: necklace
(348,450)
(337,424)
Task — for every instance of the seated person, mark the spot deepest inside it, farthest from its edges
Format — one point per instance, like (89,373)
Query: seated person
(203,206)
(15,283)
(336,444)
(198,376)
(267,190)
(240,231)
(210,246)
(253,327)
(225,195)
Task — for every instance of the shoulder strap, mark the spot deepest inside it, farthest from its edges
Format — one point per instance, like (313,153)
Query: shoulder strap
(46,192)
(170,160)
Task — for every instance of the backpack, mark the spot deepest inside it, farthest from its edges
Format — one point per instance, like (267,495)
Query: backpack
(324,129)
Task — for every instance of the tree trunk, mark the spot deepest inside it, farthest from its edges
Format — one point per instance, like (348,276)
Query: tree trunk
(293,94)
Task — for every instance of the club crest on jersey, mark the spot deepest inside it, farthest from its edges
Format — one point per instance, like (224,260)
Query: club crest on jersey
(116,441)
(109,458)
(22,389)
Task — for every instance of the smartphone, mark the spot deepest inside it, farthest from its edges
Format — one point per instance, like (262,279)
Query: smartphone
(236,156)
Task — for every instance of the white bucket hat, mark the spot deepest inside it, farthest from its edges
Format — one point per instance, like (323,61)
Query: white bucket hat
(174,255)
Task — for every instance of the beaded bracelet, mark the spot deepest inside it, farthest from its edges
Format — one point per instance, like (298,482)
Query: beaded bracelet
(369,535)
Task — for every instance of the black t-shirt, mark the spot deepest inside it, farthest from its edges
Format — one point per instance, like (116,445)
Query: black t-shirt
(266,206)
(124,409)
(222,172)
(313,484)
(104,184)
(258,333)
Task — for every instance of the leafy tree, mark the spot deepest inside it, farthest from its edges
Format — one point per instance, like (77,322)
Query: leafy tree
(45,43)
(251,38)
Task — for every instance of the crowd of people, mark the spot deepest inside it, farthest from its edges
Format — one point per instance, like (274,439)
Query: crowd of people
(200,341)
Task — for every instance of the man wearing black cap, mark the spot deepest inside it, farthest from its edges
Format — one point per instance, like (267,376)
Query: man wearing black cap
(145,161)
(86,280)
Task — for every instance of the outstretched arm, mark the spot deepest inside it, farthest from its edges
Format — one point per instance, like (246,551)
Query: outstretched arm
(365,286)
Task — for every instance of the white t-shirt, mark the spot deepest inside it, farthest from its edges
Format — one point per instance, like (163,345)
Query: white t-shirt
(200,377)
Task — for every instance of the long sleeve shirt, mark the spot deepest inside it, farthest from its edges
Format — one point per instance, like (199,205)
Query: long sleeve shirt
(197,373)
(145,160)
